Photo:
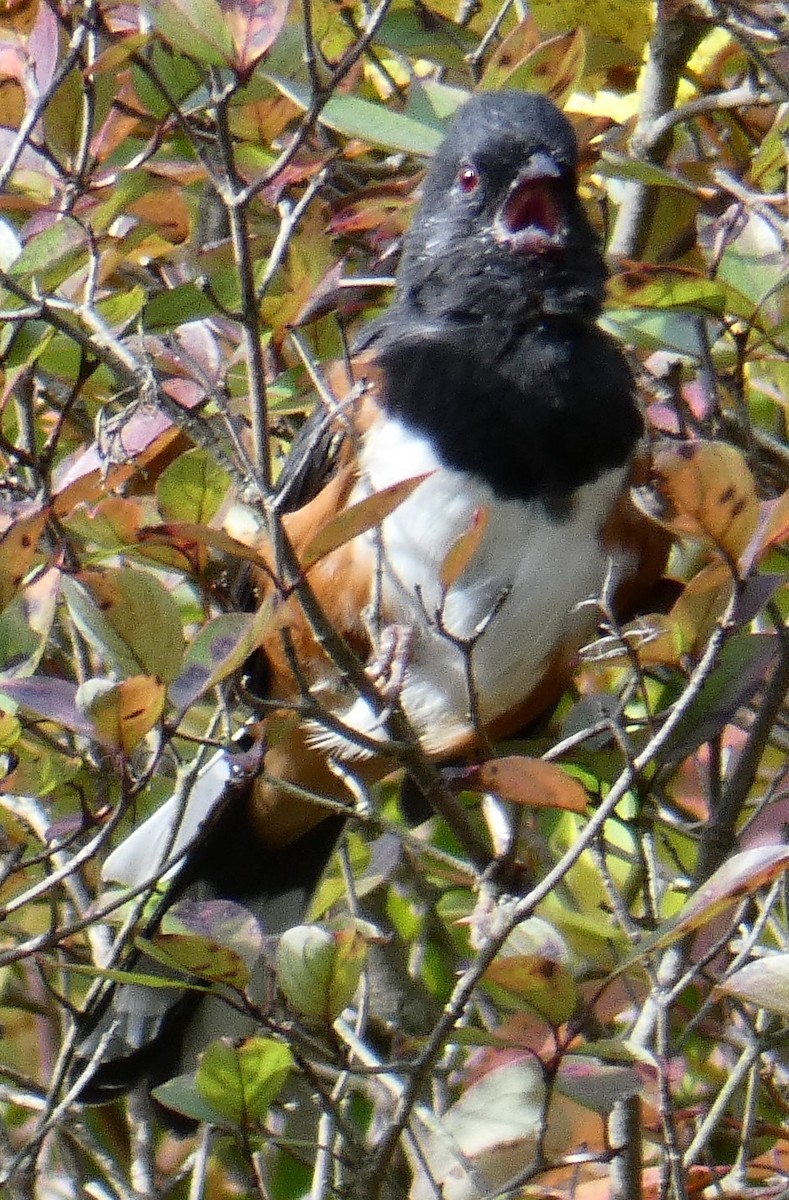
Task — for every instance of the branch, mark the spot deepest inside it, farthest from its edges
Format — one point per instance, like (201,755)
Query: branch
(673,41)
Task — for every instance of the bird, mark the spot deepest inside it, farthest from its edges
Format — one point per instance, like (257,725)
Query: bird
(489,394)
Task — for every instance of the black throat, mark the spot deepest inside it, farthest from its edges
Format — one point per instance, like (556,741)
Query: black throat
(535,412)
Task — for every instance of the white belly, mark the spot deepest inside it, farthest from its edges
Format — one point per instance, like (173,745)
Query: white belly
(529,571)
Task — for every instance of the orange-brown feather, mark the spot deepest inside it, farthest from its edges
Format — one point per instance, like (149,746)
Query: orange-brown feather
(343,581)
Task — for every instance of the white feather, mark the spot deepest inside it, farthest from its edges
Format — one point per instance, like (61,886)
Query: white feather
(162,835)
(544,567)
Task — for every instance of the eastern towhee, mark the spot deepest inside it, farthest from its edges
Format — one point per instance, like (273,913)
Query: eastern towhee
(488,376)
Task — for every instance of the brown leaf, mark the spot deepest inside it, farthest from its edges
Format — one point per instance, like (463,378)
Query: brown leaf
(165,210)
(531,781)
(358,519)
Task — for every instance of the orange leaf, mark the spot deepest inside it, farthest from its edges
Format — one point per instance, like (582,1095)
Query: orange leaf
(358,519)
(462,551)
(706,490)
(18,546)
(531,781)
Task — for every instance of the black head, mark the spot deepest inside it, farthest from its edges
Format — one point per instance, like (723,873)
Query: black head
(500,230)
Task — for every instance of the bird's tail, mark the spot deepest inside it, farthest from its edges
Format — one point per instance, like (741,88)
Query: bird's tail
(135,1033)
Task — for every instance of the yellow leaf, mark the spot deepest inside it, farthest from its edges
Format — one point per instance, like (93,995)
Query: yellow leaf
(625,21)
(122,713)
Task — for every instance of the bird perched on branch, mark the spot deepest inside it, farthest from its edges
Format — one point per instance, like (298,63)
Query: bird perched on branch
(490,386)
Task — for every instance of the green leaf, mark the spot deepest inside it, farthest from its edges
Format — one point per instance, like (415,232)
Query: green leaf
(181,1095)
(597,1085)
(175,307)
(742,664)
(319,970)
(374,124)
(195,27)
(133,617)
(663,288)
(32,339)
(616,166)
(242,1081)
(122,306)
(217,940)
(53,254)
(220,648)
(192,488)
(179,75)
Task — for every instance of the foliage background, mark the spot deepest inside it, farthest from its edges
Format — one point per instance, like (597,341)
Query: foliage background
(199,200)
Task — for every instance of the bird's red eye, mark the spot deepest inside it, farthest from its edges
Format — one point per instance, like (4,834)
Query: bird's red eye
(468,178)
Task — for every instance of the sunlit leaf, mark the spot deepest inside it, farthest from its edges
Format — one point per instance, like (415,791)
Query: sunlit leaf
(218,940)
(360,517)
(242,1081)
(355,117)
(122,713)
(192,488)
(530,781)
(545,985)
(554,67)
(493,1129)
(182,1096)
(740,877)
(185,535)
(764,982)
(142,614)
(18,546)
(706,490)
(659,288)
(461,552)
(220,648)
(626,21)
(318,970)
(510,53)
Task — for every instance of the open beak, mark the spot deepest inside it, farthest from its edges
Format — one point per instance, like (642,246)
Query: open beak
(531,217)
